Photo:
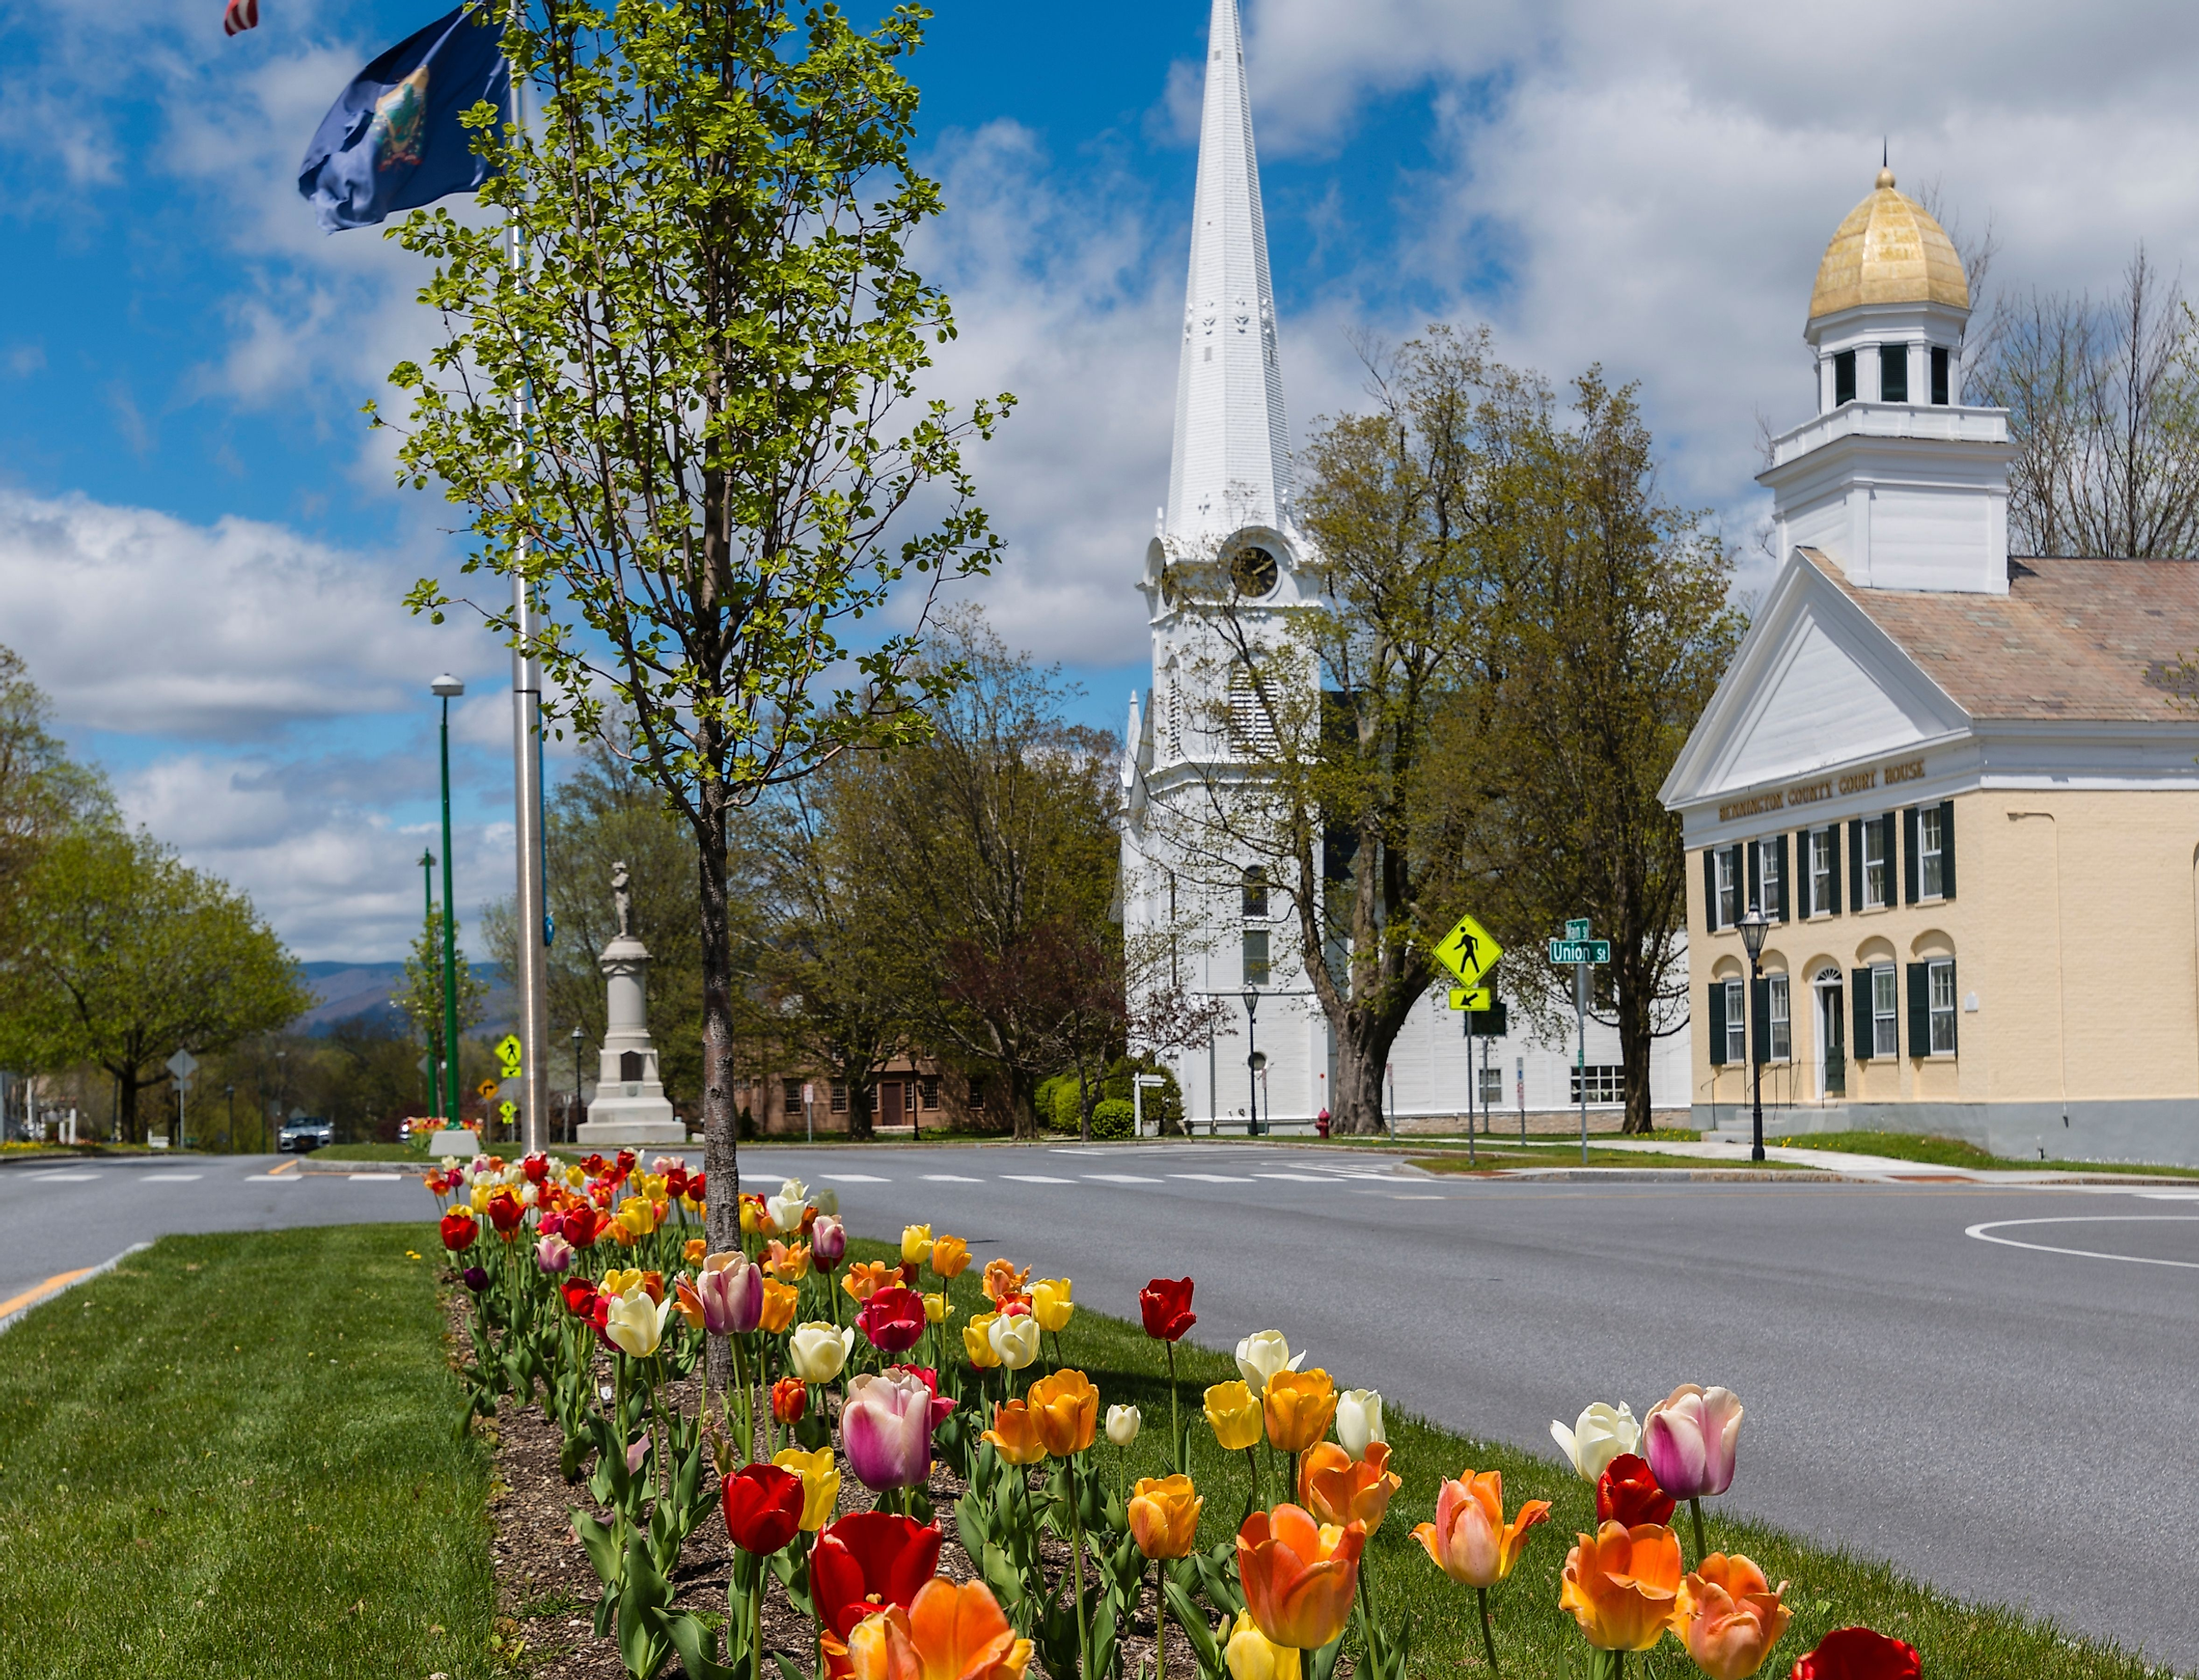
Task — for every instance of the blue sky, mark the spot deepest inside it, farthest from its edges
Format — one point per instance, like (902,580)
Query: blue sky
(201,548)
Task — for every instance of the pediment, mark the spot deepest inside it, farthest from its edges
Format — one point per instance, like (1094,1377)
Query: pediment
(1815,684)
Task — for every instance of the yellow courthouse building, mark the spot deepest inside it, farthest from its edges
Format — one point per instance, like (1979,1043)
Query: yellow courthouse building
(1961,786)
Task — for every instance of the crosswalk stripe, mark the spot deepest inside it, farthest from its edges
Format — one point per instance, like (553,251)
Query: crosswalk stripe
(1035,1178)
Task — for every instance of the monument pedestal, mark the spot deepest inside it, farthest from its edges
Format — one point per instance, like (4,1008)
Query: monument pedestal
(630,1105)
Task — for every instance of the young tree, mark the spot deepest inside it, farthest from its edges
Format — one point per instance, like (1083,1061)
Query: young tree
(422,1002)
(121,956)
(43,792)
(691,410)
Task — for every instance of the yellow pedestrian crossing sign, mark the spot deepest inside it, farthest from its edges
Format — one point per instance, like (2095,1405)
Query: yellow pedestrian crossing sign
(1476,1000)
(1468,951)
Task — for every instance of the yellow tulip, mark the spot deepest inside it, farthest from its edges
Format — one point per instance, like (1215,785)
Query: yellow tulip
(915,1244)
(820,1484)
(950,1257)
(1234,1415)
(977,1342)
(1164,1516)
(1015,1432)
(779,1301)
(1252,1655)
(1050,1305)
(937,1310)
(1299,1405)
(1068,1408)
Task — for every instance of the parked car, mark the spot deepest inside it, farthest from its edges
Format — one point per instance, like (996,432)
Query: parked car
(304,1134)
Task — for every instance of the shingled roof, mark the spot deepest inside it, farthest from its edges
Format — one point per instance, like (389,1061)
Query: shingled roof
(2072,639)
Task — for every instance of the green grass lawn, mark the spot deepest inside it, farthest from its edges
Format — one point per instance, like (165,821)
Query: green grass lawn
(233,1456)
(1488,1158)
(1944,1152)
(1830,1590)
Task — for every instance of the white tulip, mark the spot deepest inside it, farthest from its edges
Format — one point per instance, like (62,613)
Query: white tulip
(784,1210)
(1014,1339)
(1359,1420)
(825,1201)
(817,1350)
(1601,1434)
(1124,1423)
(1260,1355)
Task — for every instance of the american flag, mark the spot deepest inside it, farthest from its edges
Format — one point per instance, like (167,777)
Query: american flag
(239,16)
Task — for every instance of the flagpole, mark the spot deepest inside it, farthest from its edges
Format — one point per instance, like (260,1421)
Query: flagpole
(533,977)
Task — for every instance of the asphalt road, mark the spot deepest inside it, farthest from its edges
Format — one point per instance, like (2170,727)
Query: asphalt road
(2008,1422)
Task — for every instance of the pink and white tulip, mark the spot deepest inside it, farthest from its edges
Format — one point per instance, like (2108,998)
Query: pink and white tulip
(1688,1438)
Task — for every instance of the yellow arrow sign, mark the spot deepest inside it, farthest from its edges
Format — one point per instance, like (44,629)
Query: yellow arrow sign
(1477,999)
(1468,951)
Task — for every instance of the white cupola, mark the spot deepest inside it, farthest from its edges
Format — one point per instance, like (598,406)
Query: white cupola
(1894,480)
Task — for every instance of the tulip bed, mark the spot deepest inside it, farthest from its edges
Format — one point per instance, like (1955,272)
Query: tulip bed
(934,1470)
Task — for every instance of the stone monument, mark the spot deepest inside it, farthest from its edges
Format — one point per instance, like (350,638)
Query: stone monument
(630,1105)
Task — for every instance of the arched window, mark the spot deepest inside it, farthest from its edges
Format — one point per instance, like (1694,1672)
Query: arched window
(1256,893)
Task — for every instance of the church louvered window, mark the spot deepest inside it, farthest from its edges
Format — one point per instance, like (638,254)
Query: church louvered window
(1172,713)
(1251,732)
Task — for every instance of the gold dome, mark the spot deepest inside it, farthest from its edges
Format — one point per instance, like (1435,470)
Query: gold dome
(1888,251)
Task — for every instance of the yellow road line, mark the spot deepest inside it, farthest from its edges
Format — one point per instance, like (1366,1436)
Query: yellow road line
(30,1297)
(290,1166)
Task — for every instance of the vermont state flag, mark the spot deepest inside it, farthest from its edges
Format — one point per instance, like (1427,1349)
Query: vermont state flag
(393,141)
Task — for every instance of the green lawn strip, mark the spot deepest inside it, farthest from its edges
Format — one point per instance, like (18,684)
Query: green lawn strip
(1945,1152)
(234,1456)
(371,1152)
(1493,1158)
(1831,1588)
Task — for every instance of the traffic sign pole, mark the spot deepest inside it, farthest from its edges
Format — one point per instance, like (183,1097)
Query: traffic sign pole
(1580,1053)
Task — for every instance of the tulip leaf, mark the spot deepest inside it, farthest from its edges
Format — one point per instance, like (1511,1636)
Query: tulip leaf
(696,1642)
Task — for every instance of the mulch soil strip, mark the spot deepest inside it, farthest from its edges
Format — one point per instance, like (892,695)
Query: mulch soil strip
(547,1589)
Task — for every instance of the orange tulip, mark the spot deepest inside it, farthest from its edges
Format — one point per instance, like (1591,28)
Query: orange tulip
(1068,1409)
(1014,1433)
(1164,1516)
(1338,1492)
(1469,1540)
(1623,1586)
(1002,1279)
(1299,1406)
(1731,1618)
(695,1250)
(1299,1576)
(949,1633)
(867,1277)
(778,1299)
(950,1257)
(789,1263)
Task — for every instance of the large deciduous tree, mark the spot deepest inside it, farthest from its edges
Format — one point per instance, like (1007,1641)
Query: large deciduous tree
(120,955)
(692,409)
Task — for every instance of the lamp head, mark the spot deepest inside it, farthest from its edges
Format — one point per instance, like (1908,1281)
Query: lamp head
(1252,1001)
(448,686)
(1754,927)
(576,1034)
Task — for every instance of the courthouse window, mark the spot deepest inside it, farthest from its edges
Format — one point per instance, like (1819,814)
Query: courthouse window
(1931,851)
(1768,854)
(1893,373)
(1736,1022)
(1775,1012)
(1885,1024)
(1940,383)
(1940,992)
(1844,377)
(1820,870)
(1726,912)
(1874,864)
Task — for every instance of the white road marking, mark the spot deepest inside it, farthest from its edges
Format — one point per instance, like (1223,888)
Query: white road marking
(2169,1195)
(1120,1178)
(269,1178)
(377,1178)
(169,1178)
(855,1178)
(950,1178)
(1212,1178)
(65,1177)
(1298,1178)
(1035,1178)
(1980,1233)
(1419,1197)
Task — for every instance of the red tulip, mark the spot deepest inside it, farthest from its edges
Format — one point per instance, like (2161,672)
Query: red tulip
(536,1167)
(1166,1304)
(697,1187)
(1858,1653)
(893,1319)
(459,1230)
(583,1225)
(763,1507)
(580,1294)
(790,1399)
(867,1560)
(1628,1495)
(594,1165)
(506,1212)
(676,1183)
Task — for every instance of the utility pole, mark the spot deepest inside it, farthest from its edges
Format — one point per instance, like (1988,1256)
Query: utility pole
(428,922)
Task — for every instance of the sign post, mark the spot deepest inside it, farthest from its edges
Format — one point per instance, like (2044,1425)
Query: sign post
(183,1064)
(1468,951)
(1583,954)
(809,1108)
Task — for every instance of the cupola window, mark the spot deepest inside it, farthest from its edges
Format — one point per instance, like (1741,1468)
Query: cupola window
(1893,373)
(1843,378)
(1940,359)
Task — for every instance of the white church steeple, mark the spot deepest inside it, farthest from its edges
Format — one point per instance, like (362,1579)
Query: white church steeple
(1231,466)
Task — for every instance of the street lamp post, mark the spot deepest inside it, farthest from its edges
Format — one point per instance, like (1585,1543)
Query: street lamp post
(428,921)
(230,1091)
(1754,927)
(1252,1065)
(447,688)
(573,1117)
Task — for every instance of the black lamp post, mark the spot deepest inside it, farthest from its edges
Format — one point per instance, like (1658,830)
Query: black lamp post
(1252,1065)
(1754,927)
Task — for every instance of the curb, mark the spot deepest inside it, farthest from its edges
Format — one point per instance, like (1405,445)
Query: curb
(62,1289)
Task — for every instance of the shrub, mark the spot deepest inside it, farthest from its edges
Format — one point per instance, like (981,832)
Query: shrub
(1110,1118)
(1068,1104)
(1164,1102)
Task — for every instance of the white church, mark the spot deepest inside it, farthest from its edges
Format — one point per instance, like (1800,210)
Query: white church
(1229,513)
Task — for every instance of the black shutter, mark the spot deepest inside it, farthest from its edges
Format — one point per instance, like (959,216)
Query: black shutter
(1786,876)
(1709,888)
(1759,1020)
(1946,849)
(1855,862)
(1862,1042)
(1890,824)
(1833,876)
(1802,863)
(1717,1024)
(1910,870)
(1754,850)
(1920,1010)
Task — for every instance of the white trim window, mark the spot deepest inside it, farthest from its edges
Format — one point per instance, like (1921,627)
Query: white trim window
(1877,875)
(1931,852)
(1821,871)
(1939,1004)
(1776,1019)
(1884,1009)
(1770,898)
(1492,1086)
(1736,1023)
(1727,912)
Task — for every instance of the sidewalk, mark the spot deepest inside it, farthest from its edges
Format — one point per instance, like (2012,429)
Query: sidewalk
(1880,1167)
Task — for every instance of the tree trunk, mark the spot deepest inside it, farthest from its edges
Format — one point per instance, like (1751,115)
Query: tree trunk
(720,1139)
(1357,1098)
(1634,1040)
(859,1109)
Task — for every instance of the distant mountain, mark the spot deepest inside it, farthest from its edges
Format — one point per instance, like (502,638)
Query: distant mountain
(344,991)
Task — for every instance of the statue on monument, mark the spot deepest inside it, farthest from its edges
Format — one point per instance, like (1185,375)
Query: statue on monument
(622,900)
(630,1105)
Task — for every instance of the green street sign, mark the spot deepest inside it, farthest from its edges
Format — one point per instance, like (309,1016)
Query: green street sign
(1577,929)
(1580,950)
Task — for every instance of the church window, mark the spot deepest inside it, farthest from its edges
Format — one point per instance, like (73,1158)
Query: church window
(1256,956)
(1251,733)
(1844,378)
(1174,714)
(1940,383)
(1256,893)
(1893,373)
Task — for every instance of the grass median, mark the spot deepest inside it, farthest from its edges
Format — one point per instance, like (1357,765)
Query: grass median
(1946,1152)
(233,1456)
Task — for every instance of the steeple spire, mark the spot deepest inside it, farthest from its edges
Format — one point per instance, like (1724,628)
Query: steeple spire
(1231,465)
